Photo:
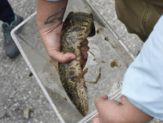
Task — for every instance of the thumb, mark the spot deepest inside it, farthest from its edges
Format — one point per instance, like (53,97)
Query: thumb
(61,57)
(123,99)
(100,100)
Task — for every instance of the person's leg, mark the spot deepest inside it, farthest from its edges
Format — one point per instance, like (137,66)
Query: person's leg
(139,16)
(10,20)
(6,13)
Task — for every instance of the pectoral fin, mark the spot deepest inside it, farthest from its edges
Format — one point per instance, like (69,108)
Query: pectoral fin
(92,31)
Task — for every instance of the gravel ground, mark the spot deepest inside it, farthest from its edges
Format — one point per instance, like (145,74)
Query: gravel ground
(19,91)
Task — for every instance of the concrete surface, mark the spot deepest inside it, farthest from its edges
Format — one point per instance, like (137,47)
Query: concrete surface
(19,91)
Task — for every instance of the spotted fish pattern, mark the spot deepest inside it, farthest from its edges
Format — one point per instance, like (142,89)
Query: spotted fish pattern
(77,27)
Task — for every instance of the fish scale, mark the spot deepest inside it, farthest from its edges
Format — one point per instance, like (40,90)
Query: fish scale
(76,28)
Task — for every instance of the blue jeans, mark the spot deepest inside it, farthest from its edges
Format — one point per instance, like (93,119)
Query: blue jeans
(6,12)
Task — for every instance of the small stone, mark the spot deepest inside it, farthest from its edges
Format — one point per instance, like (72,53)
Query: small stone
(15,106)
(5,107)
(26,113)
(35,120)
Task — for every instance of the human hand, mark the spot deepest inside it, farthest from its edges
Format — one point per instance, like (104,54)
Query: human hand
(49,22)
(51,39)
(110,111)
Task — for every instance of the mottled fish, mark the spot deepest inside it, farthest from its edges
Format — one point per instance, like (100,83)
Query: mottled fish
(77,27)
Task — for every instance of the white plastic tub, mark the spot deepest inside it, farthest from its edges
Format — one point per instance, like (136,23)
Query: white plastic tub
(106,51)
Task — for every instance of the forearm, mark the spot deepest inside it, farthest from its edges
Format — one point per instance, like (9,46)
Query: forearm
(50,14)
(49,22)
(143,84)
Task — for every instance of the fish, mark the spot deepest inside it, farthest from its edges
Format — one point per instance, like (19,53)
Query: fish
(76,28)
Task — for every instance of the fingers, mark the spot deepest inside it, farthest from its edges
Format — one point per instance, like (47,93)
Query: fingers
(99,100)
(123,99)
(96,119)
(113,111)
(106,109)
(61,57)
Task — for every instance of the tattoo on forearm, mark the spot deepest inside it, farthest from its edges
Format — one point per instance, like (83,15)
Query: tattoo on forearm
(56,16)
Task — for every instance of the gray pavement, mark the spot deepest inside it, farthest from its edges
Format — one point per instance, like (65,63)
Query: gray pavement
(18,90)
